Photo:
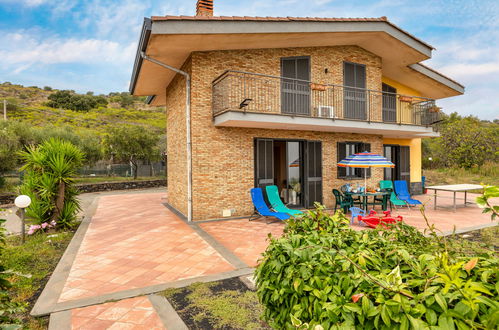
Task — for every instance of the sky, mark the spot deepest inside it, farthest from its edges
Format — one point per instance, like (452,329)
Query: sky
(90,45)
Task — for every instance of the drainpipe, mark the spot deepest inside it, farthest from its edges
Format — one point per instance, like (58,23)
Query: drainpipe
(188,123)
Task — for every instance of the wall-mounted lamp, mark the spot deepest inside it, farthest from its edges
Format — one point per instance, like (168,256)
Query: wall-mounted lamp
(245,103)
(22,202)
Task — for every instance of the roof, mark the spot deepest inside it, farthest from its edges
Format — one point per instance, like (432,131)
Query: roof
(171,39)
(283,19)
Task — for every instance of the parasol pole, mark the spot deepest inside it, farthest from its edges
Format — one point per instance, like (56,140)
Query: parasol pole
(365,179)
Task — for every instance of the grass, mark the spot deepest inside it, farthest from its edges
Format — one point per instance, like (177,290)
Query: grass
(31,264)
(486,174)
(226,304)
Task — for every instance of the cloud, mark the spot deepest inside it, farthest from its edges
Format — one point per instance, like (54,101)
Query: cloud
(120,20)
(24,51)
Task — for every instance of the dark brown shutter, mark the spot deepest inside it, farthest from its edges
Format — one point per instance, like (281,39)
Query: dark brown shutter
(404,164)
(264,163)
(313,173)
(341,151)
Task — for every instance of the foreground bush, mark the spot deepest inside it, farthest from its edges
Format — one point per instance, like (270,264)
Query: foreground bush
(49,181)
(321,273)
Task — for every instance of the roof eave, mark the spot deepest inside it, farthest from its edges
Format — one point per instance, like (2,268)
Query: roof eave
(143,41)
(437,76)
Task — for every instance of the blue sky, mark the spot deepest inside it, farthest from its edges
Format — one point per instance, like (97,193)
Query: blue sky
(90,45)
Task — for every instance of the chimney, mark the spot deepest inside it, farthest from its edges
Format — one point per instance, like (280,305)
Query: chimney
(204,8)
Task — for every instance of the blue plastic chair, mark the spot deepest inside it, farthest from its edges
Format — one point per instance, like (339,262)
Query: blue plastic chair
(261,208)
(403,193)
(356,211)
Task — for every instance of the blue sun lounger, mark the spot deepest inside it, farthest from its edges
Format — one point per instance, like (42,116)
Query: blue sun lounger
(261,208)
(403,193)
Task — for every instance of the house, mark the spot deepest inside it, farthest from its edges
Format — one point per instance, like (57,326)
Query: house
(254,101)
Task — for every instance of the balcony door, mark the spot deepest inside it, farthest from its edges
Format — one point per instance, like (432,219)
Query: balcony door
(354,93)
(389,103)
(295,94)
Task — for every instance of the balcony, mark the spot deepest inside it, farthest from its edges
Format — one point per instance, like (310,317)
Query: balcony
(242,99)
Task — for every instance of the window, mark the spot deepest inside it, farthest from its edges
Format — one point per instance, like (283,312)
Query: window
(345,149)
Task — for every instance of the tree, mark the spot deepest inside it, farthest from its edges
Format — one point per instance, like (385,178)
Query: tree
(132,143)
(8,149)
(50,169)
(69,100)
(463,142)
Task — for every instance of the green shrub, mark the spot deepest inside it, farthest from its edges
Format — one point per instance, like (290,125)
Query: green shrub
(50,169)
(8,308)
(69,100)
(322,273)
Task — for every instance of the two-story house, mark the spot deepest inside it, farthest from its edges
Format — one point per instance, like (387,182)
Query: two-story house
(254,101)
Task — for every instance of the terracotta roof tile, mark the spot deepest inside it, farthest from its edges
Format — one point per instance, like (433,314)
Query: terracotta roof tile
(266,18)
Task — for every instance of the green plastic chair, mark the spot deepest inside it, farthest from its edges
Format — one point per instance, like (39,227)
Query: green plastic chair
(394,200)
(277,204)
(341,201)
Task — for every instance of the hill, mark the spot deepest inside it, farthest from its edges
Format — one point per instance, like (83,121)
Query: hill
(31,105)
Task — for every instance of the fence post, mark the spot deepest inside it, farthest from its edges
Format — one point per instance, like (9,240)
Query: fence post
(4,109)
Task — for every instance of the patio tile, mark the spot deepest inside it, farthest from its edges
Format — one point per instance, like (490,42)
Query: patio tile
(133,241)
(133,313)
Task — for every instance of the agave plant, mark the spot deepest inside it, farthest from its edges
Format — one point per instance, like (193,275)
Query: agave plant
(49,181)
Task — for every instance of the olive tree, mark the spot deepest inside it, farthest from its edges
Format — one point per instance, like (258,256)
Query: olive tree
(132,144)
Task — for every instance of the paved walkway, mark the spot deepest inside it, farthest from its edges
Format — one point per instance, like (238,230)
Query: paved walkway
(134,241)
(133,246)
(134,313)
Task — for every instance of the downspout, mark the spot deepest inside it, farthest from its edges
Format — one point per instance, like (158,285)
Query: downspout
(188,123)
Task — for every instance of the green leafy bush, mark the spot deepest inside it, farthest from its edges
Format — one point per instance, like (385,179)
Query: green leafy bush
(49,181)
(322,273)
(484,201)
(8,308)
(69,100)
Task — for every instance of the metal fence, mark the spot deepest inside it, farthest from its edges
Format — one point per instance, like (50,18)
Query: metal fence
(124,170)
(259,93)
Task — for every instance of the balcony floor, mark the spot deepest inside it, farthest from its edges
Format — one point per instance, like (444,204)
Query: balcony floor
(300,123)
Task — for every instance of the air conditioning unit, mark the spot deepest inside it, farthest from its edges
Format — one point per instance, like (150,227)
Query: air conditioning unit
(326,111)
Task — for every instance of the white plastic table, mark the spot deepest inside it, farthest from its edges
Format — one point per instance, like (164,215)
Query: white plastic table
(455,188)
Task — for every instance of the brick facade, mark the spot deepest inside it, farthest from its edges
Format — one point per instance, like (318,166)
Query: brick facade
(223,158)
(176,142)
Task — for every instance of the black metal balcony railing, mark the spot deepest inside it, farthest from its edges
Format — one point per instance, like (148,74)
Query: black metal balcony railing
(260,93)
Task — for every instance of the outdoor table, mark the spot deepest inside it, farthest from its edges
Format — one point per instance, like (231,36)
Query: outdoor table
(454,188)
(365,196)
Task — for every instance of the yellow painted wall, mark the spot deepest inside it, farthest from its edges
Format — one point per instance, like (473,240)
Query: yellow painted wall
(415,154)
(404,109)
(401,89)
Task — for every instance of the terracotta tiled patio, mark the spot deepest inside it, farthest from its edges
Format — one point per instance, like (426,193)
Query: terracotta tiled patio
(135,313)
(245,239)
(134,241)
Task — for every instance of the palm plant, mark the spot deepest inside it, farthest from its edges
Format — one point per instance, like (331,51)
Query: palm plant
(49,181)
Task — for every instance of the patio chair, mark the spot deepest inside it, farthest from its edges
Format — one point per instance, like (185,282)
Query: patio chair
(341,201)
(276,202)
(394,201)
(356,211)
(261,208)
(403,193)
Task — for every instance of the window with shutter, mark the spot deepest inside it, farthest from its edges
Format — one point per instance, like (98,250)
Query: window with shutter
(346,149)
